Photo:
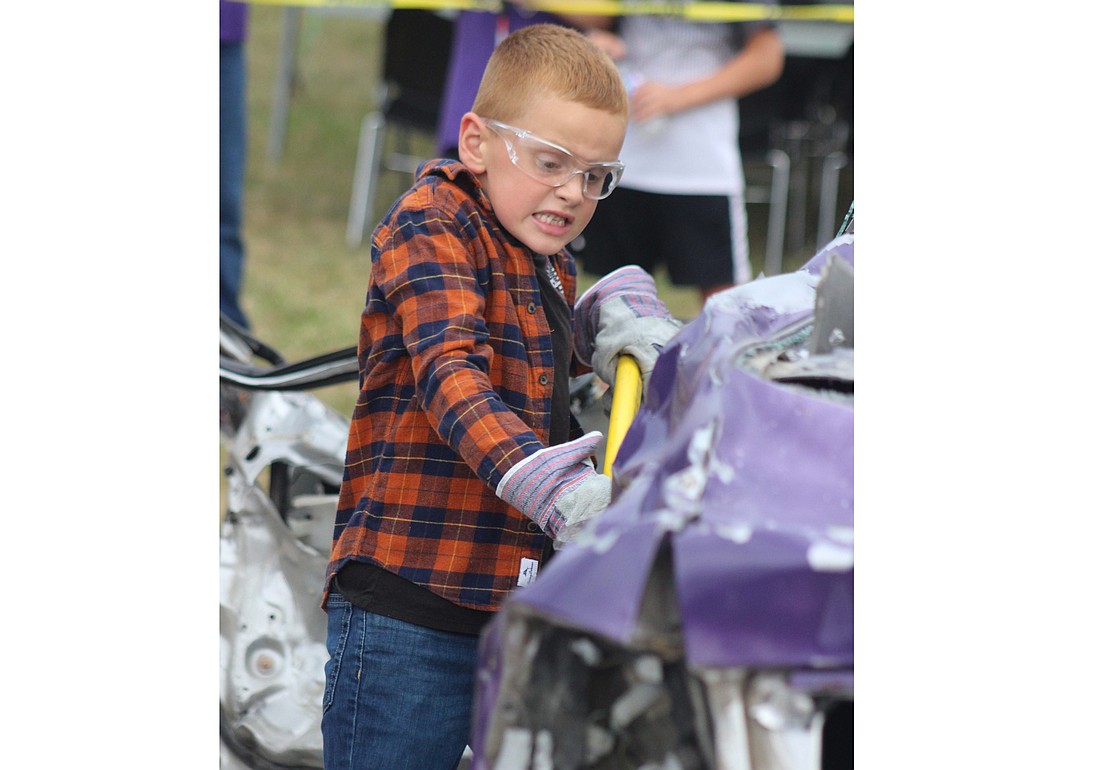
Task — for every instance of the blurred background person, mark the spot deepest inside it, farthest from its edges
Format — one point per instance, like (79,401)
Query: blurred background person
(232,140)
(681,200)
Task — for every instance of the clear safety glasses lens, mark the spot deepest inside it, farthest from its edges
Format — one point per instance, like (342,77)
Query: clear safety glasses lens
(553,165)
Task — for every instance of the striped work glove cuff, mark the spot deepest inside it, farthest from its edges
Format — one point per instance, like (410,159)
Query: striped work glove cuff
(558,486)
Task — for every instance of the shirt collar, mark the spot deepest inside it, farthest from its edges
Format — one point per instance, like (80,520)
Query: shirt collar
(455,172)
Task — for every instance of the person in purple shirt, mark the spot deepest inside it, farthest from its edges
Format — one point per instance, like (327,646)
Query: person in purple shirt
(476,34)
(234,30)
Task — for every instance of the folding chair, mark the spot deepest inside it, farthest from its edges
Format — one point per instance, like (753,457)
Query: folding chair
(759,151)
(414,70)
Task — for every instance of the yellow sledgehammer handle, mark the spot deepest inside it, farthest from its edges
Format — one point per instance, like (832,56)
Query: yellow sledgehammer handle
(626,399)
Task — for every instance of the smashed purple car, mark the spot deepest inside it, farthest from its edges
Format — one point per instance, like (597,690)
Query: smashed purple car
(706,619)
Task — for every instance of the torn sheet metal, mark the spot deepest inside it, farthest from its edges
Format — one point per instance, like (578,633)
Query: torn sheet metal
(284,466)
(728,548)
(749,474)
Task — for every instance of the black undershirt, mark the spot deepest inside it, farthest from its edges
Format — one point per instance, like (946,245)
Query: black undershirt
(380,591)
(560,317)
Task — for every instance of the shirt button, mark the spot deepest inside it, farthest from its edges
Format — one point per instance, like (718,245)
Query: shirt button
(531,307)
(543,379)
(533,527)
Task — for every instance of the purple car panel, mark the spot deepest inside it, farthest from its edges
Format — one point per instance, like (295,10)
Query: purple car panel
(720,581)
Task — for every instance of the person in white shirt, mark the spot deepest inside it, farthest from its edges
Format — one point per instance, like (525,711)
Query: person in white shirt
(681,198)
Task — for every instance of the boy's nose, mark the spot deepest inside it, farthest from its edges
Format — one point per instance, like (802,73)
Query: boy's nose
(574,188)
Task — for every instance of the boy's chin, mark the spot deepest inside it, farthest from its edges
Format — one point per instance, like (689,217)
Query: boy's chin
(541,243)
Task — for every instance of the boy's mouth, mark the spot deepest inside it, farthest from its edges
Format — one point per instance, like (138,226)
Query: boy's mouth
(551,219)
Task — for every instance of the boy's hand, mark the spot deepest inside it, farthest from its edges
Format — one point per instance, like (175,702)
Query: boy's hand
(557,487)
(623,331)
(582,505)
(620,314)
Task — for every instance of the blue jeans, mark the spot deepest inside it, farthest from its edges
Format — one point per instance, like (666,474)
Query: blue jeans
(397,695)
(233,136)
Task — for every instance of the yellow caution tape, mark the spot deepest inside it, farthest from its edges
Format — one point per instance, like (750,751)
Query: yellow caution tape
(626,399)
(695,10)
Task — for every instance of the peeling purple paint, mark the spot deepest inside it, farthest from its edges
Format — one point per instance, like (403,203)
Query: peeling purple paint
(751,481)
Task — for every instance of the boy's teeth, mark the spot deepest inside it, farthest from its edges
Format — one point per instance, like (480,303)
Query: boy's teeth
(551,219)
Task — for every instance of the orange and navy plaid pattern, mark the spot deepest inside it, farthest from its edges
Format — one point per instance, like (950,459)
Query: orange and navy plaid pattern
(456,375)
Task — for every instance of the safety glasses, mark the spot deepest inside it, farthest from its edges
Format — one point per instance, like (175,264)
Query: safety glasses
(554,165)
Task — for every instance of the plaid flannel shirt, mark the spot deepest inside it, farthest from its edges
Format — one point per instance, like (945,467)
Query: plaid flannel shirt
(456,375)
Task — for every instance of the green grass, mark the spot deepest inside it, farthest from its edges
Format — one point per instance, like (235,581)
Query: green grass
(303,286)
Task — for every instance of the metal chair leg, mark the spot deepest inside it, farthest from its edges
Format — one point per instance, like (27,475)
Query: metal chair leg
(284,82)
(777,210)
(368,161)
(830,183)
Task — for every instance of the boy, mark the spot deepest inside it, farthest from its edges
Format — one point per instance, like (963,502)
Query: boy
(464,463)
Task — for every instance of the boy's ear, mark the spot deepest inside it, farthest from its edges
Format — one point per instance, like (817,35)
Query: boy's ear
(472,134)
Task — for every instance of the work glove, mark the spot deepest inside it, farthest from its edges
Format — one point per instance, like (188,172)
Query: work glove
(558,487)
(622,314)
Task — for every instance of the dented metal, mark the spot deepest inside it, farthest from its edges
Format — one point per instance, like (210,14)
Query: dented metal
(706,620)
(284,463)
